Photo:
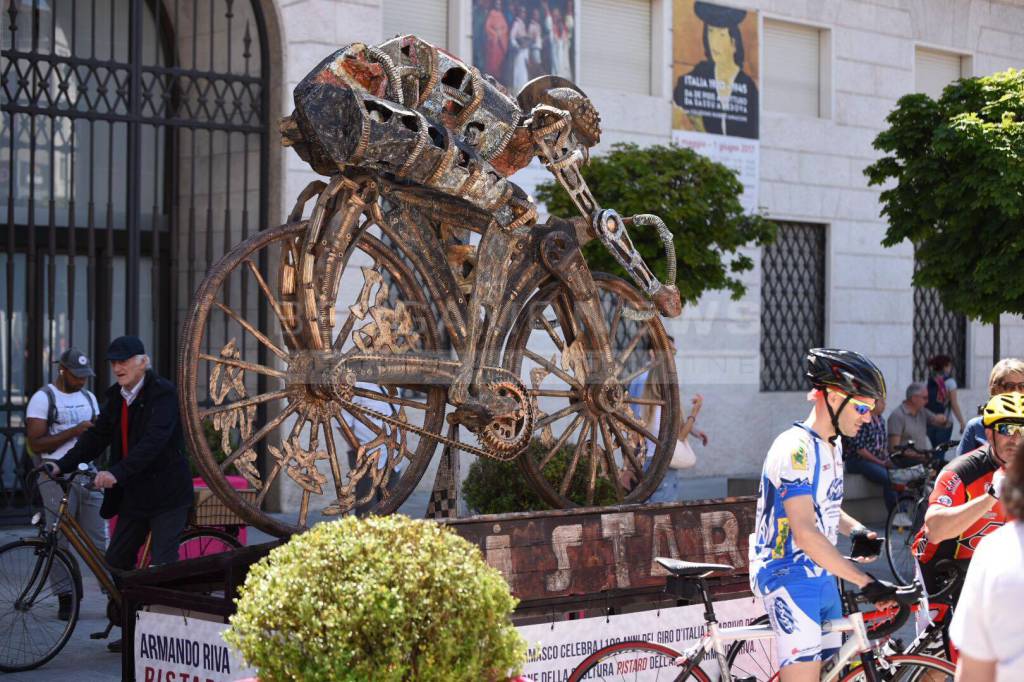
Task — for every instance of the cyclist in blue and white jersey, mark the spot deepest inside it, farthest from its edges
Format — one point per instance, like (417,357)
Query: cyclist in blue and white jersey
(793,555)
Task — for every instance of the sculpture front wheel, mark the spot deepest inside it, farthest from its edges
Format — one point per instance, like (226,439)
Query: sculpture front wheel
(334,443)
(595,442)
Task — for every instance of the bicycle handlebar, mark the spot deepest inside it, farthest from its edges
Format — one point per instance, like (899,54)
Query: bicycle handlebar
(905,596)
(83,470)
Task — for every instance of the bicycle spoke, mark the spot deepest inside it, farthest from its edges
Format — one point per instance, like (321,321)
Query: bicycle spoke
(260,336)
(332,456)
(554,369)
(242,364)
(560,442)
(592,475)
(343,333)
(627,449)
(546,324)
(631,346)
(632,423)
(609,454)
(643,401)
(570,471)
(628,379)
(616,318)
(247,444)
(245,402)
(272,300)
(555,416)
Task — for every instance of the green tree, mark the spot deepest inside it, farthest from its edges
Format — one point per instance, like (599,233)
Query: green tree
(953,172)
(697,198)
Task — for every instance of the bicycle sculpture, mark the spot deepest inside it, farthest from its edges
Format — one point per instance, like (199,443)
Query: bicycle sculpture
(421,284)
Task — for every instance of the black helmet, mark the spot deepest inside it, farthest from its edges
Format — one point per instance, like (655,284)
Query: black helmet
(845,370)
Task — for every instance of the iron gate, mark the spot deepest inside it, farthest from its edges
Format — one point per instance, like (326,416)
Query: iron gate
(133,152)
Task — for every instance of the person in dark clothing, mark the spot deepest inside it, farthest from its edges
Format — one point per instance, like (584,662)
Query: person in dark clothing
(148,485)
(718,96)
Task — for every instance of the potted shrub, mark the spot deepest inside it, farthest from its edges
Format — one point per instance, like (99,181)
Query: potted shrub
(384,598)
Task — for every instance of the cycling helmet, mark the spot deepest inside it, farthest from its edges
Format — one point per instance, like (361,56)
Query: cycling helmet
(845,370)
(1004,407)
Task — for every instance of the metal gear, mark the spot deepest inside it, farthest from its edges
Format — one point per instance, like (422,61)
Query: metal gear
(509,433)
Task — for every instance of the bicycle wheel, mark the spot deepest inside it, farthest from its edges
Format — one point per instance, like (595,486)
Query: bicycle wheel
(35,633)
(633,661)
(199,542)
(907,669)
(589,446)
(244,388)
(754,658)
(905,519)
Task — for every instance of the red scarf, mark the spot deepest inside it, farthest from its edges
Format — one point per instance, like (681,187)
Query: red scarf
(124,428)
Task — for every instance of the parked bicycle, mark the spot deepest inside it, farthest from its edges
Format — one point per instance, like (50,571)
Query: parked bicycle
(858,659)
(41,582)
(907,516)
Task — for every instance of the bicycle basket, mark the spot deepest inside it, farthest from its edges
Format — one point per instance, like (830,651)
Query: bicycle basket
(209,510)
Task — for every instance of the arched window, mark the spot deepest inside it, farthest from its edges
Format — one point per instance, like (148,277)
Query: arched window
(133,152)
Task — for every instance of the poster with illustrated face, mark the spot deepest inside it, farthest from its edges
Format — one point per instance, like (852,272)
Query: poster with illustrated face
(517,40)
(716,78)
(715,69)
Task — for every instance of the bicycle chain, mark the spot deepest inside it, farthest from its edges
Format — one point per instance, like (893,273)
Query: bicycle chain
(451,442)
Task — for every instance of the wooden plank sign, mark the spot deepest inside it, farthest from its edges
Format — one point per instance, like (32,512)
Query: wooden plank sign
(589,551)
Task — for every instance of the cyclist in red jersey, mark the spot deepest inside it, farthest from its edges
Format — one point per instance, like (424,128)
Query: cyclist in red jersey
(964,506)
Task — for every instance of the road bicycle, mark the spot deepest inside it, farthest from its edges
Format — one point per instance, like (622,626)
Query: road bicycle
(41,585)
(746,653)
(907,516)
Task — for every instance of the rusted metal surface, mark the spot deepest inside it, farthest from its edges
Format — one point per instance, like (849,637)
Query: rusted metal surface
(563,557)
(422,292)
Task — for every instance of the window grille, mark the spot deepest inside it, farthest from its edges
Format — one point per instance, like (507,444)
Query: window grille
(792,304)
(938,331)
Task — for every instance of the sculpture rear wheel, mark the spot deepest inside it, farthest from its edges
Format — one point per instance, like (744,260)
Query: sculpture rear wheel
(590,434)
(341,445)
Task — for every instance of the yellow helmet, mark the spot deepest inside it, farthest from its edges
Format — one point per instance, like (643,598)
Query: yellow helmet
(1004,407)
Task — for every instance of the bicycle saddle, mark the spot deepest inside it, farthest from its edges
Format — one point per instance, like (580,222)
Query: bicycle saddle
(690,569)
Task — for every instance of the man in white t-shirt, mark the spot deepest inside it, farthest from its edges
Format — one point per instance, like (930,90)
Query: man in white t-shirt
(986,625)
(56,416)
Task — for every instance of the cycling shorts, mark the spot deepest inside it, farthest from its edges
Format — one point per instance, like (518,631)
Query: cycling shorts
(797,607)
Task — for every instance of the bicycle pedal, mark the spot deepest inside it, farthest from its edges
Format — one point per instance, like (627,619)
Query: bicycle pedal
(104,634)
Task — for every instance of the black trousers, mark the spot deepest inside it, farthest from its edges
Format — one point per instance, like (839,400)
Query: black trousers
(130,535)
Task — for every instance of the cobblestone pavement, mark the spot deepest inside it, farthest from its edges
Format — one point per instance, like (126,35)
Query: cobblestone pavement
(88,659)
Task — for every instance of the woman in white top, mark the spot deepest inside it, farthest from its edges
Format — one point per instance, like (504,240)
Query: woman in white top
(986,625)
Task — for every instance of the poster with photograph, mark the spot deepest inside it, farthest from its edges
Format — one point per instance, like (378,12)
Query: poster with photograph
(517,40)
(716,77)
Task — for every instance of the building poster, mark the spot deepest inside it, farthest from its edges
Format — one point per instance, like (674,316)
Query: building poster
(555,649)
(517,40)
(715,77)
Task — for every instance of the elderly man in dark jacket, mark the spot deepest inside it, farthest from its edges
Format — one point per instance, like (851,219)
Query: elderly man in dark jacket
(148,485)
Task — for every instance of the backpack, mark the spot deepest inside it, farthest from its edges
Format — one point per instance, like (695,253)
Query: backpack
(51,410)
(938,396)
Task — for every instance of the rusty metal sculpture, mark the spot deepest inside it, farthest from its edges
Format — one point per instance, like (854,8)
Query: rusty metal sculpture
(418,230)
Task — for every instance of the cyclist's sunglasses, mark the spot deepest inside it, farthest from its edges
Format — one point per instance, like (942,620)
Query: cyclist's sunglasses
(1012,386)
(1010,429)
(859,406)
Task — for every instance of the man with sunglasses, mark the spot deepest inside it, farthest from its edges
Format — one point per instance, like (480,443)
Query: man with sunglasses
(793,555)
(964,505)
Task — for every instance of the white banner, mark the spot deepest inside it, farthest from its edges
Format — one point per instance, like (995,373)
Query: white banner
(738,153)
(175,648)
(555,649)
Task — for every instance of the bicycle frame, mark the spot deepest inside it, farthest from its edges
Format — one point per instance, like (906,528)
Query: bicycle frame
(716,639)
(79,539)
